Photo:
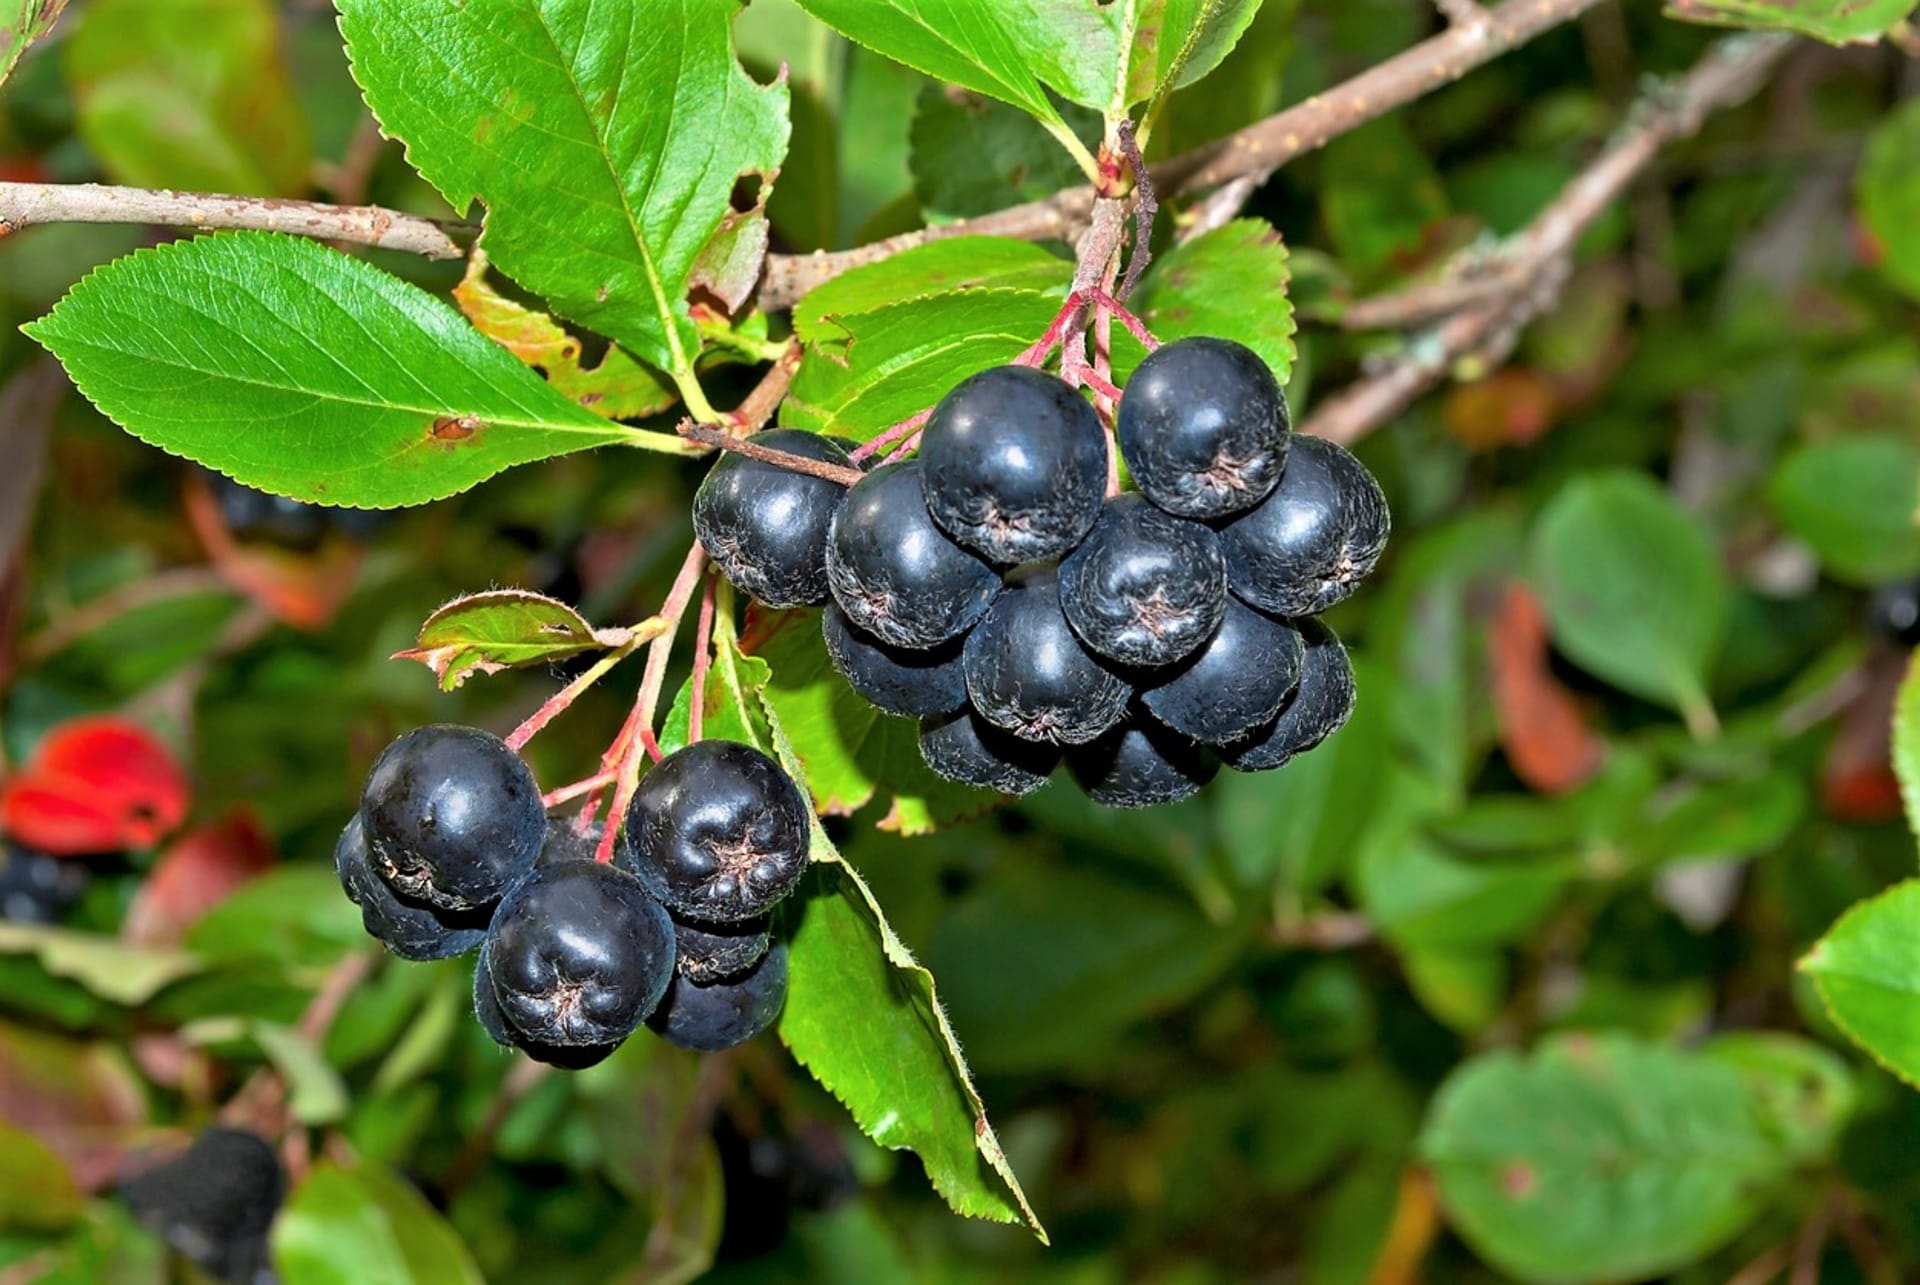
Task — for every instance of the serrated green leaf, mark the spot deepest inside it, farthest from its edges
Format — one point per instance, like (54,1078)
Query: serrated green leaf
(1633,587)
(902,358)
(502,628)
(1837,22)
(307,373)
(213,111)
(1598,1158)
(1230,282)
(952,266)
(972,155)
(366,1226)
(604,141)
(1867,969)
(21,23)
(1176,42)
(1855,500)
(1888,188)
(106,967)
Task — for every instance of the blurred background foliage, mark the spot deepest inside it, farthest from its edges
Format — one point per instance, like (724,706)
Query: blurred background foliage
(1501,983)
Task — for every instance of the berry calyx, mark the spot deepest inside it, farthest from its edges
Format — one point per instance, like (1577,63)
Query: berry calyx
(1319,706)
(1029,674)
(493,1020)
(894,572)
(720,1015)
(452,815)
(1141,764)
(1203,427)
(1314,539)
(1145,588)
(898,680)
(964,747)
(718,832)
(1015,464)
(765,526)
(1234,683)
(414,930)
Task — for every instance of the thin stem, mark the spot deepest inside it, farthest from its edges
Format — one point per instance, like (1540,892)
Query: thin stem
(1127,319)
(566,696)
(587,785)
(887,437)
(694,396)
(708,436)
(1146,204)
(757,408)
(1075,148)
(702,646)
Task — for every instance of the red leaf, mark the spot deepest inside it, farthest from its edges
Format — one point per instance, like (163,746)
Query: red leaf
(193,876)
(95,785)
(81,1100)
(1540,728)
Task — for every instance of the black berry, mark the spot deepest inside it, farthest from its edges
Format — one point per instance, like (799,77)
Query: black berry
(1203,428)
(964,747)
(1015,464)
(718,832)
(1028,673)
(256,515)
(899,680)
(1141,764)
(1233,684)
(1320,704)
(579,954)
(410,929)
(453,816)
(214,1203)
(37,887)
(1314,539)
(493,1020)
(1145,588)
(718,952)
(894,572)
(720,1015)
(765,526)
(1894,612)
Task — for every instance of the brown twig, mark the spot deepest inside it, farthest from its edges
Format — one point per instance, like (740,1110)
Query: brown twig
(707,435)
(1493,297)
(758,406)
(1146,204)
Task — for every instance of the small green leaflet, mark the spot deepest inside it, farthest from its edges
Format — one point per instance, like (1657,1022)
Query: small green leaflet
(1853,499)
(304,372)
(1888,188)
(1230,282)
(488,632)
(1867,970)
(1837,22)
(605,141)
(21,23)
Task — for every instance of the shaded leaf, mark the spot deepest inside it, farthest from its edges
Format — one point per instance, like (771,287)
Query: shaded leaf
(27,403)
(295,916)
(114,971)
(1837,22)
(1230,282)
(1906,743)
(352,387)
(500,629)
(36,1191)
(1805,1092)
(1855,500)
(1888,184)
(80,1099)
(972,155)
(315,1093)
(21,23)
(1868,973)
(366,1226)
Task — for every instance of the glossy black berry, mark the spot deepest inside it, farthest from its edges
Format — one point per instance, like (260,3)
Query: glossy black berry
(1027,672)
(720,1015)
(765,526)
(410,929)
(256,515)
(718,832)
(1320,704)
(718,952)
(1895,612)
(1145,588)
(894,572)
(964,747)
(899,680)
(1141,764)
(1234,683)
(493,1020)
(453,816)
(579,954)
(214,1203)
(1203,428)
(36,887)
(1314,539)
(1015,464)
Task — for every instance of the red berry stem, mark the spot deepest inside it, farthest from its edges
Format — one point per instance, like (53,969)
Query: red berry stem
(906,428)
(1063,322)
(556,704)
(702,649)
(586,785)
(1113,307)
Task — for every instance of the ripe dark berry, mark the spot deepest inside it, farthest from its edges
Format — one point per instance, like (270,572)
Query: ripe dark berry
(1015,463)
(256,515)
(764,526)
(717,952)
(1319,706)
(718,832)
(1203,428)
(1238,681)
(1141,764)
(453,816)
(1145,588)
(1895,612)
(1027,673)
(493,1020)
(215,1202)
(895,573)
(964,747)
(1314,539)
(720,1015)
(579,954)
(410,929)
(899,680)
(35,887)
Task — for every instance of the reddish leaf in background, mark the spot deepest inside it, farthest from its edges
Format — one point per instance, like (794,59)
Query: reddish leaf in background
(1510,407)
(1856,780)
(95,785)
(1546,743)
(193,876)
(81,1100)
(302,590)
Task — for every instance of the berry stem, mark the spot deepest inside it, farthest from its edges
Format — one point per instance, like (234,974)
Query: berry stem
(702,646)
(557,703)
(1115,308)
(707,435)
(887,437)
(1055,333)
(586,785)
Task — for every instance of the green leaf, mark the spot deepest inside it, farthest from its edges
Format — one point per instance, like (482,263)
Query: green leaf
(21,23)
(1634,589)
(500,629)
(108,968)
(902,358)
(36,1190)
(1888,188)
(1867,970)
(366,1226)
(294,916)
(209,111)
(308,373)
(1379,195)
(972,155)
(1837,22)
(1176,42)
(315,1094)
(1230,282)
(1597,1158)
(605,142)
(1856,501)
(1806,1092)
(1906,744)
(952,266)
